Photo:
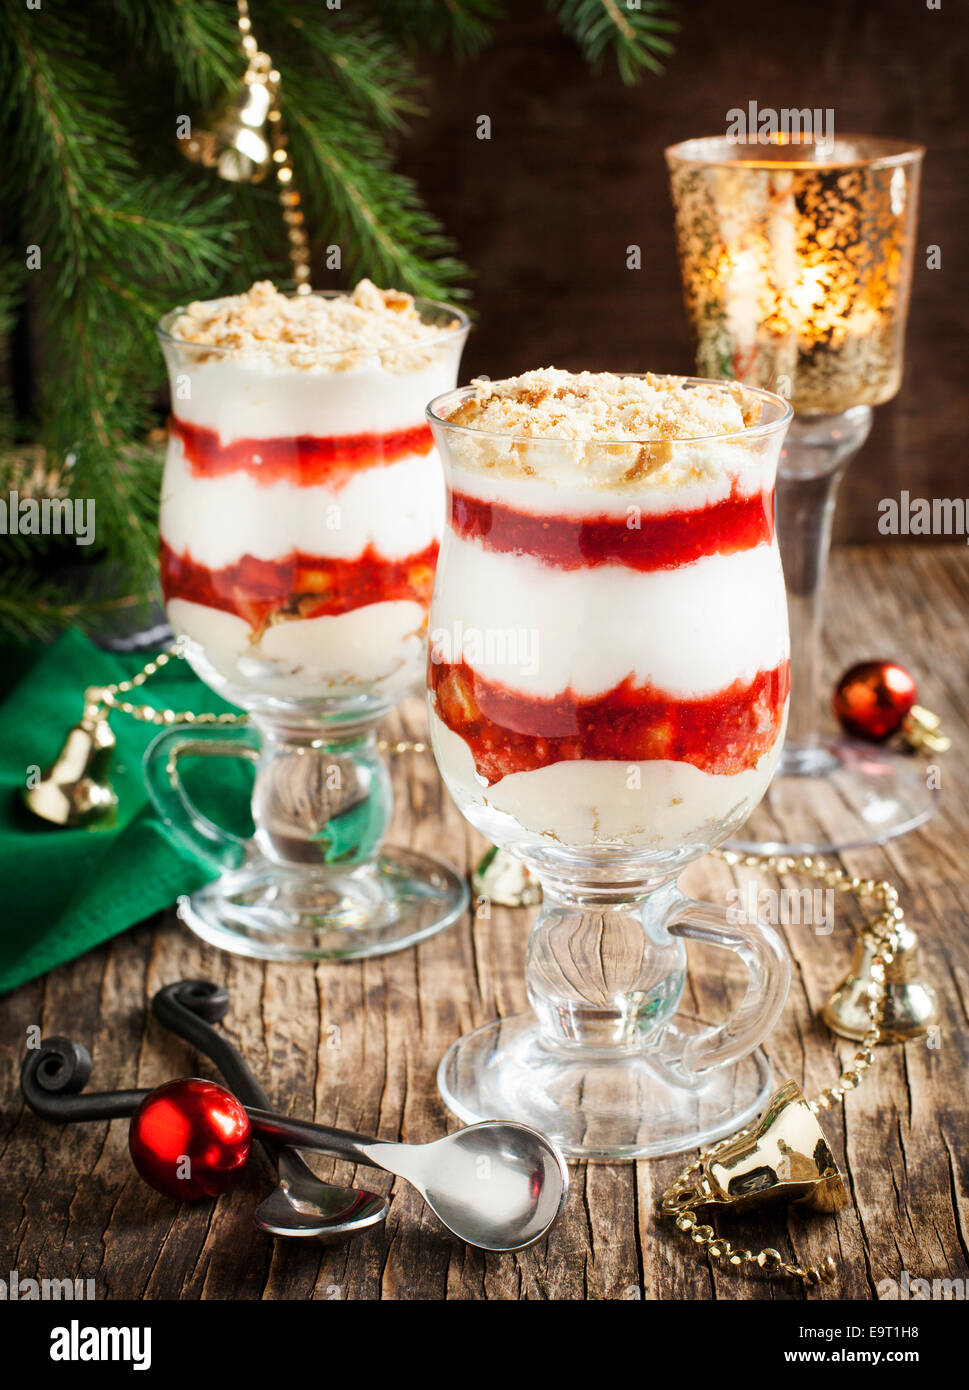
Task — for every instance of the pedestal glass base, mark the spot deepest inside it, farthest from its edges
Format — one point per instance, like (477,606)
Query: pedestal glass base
(274,914)
(594,1107)
(839,794)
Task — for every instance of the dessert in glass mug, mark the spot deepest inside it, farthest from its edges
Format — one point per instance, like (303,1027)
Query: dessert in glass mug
(301,511)
(609,654)
(608,683)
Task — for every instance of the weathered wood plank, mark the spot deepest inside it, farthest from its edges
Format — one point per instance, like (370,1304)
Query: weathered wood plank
(358,1045)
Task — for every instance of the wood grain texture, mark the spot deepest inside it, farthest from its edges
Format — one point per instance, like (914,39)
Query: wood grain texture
(358,1044)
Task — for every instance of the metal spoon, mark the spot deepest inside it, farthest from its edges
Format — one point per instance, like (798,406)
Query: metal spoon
(301,1204)
(497,1185)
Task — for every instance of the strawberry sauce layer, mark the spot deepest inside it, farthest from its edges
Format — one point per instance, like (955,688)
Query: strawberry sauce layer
(303,460)
(298,586)
(661,541)
(508,732)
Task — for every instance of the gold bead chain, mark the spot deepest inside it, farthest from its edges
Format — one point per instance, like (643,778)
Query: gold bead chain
(101,697)
(106,697)
(262,70)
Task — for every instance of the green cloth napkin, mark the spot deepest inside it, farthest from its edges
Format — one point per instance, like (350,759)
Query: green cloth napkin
(67,891)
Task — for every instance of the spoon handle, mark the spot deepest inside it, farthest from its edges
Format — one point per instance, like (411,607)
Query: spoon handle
(191,1008)
(337,1143)
(53,1077)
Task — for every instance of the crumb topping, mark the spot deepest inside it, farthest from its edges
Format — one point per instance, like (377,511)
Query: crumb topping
(597,430)
(312,331)
(554,404)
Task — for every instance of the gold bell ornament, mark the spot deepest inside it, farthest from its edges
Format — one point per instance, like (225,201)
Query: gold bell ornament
(238,145)
(246,139)
(909,1006)
(76,791)
(784,1158)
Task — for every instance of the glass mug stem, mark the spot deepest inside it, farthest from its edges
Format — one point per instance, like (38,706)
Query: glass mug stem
(317,802)
(314,881)
(605,976)
(321,800)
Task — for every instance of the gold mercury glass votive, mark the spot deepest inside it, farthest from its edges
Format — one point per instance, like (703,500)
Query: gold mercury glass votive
(797,263)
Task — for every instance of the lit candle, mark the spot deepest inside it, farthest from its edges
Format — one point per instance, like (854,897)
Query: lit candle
(797,263)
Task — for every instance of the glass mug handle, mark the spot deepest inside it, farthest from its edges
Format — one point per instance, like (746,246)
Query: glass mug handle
(687,1057)
(182,819)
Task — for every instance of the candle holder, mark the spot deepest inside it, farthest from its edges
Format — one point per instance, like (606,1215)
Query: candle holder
(797,265)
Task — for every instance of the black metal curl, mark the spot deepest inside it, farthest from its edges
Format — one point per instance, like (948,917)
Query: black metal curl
(52,1077)
(204,998)
(190,1008)
(63,1066)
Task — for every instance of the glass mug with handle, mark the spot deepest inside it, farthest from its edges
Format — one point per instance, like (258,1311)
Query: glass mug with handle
(608,686)
(301,512)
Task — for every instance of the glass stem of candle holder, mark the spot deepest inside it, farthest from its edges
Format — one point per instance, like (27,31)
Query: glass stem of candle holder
(816,453)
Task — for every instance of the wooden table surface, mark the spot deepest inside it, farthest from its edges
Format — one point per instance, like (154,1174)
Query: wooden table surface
(357,1045)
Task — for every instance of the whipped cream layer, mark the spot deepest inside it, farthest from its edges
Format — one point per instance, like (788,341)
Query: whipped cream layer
(609,648)
(302,502)
(558,488)
(397,510)
(258,399)
(380,646)
(539,631)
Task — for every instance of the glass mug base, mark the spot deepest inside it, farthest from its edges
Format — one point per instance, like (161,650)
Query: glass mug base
(613,1107)
(314,882)
(263,911)
(838,794)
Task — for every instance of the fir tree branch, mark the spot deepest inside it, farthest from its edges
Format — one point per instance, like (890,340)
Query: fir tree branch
(633,32)
(11,294)
(361,60)
(199,39)
(36,609)
(372,212)
(102,232)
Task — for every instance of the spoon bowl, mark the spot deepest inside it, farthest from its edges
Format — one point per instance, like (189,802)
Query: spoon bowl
(497,1185)
(302,1205)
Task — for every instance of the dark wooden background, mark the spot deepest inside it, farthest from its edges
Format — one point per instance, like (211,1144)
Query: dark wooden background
(574,173)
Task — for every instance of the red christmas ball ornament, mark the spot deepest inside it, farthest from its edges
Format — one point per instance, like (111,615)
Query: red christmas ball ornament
(190,1139)
(873,698)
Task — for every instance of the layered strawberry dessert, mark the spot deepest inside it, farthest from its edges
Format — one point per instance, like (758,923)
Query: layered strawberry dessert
(303,499)
(609,652)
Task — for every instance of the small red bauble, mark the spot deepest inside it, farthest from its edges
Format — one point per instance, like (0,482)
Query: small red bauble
(873,698)
(190,1139)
